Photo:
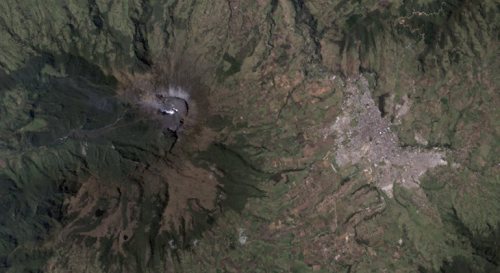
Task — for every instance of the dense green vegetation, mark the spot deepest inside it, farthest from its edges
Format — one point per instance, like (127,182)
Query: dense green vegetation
(62,123)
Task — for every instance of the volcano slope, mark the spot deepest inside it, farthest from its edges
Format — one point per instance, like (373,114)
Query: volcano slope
(318,136)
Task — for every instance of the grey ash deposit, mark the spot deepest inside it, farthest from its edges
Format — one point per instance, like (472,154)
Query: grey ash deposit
(170,105)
